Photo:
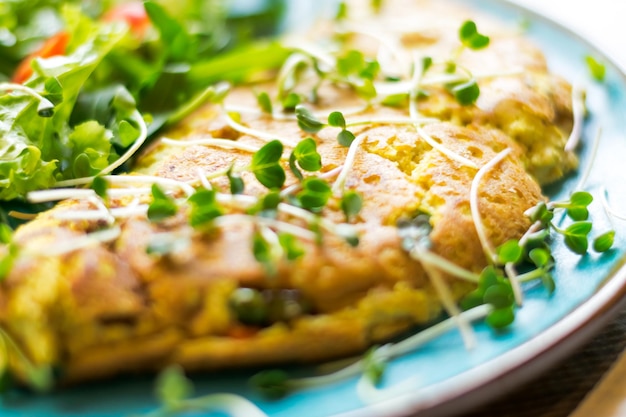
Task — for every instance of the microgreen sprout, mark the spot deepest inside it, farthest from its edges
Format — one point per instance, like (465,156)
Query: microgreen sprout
(266,167)
(345,137)
(264,136)
(265,102)
(39,377)
(493,289)
(173,390)
(204,208)
(305,156)
(597,69)
(351,204)
(314,194)
(485,243)
(470,36)
(162,205)
(576,235)
(276,383)
(100,186)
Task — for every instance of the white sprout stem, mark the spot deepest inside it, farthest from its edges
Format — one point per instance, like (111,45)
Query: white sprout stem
(264,221)
(416,82)
(447,152)
(264,136)
(127,192)
(253,111)
(297,186)
(384,41)
(151,179)
(488,248)
(279,115)
(388,88)
(608,209)
(394,121)
(57,194)
(512,274)
(535,227)
(594,155)
(312,50)
(392,350)
(448,303)
(129,211)
(416,79)
(437,261)
(578,114)
(432,332)
(340,182)
(143,135)
(73,244)
(232,404)
(44,196)
(216,142)
(307,216)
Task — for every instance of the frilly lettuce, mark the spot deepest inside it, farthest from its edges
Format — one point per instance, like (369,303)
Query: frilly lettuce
(35,150)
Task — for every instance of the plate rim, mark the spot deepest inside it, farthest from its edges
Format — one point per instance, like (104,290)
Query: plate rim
(523,363)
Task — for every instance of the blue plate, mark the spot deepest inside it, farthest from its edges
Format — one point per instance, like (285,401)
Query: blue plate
(443,377)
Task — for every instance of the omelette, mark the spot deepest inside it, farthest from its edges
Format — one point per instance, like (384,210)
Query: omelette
(265,228)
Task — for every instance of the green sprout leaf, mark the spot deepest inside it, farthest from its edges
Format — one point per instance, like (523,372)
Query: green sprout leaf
(499,295)
(510,252)
(604,242)
(291,246)
(307,120)
(265,165)
(351,204)
(306,155)
(173,387)
(466,93)
(540,257)
(291,101)
(471,38)
(577,207)
(336,119)
(204,208)
(541,213)
(100,187)
(576,237)
(314,195)
(500,318)
(345,138)
(261,249)
(162,205)
(427,62)
(271,383)
(342,11)
(596,68)
(265,102)
(373,366)
(396,100)
(235,181)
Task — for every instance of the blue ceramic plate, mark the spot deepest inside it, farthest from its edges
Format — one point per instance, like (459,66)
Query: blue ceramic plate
(443,377)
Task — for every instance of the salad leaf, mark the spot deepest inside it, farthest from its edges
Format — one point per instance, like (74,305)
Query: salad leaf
(35,151)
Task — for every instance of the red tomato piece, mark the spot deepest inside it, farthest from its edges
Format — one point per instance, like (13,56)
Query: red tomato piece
(56,45)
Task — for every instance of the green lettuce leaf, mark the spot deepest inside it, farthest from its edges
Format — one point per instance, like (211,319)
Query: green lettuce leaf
(37,151)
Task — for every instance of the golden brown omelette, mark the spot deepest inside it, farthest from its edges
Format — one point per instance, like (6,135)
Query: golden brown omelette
(101,287)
